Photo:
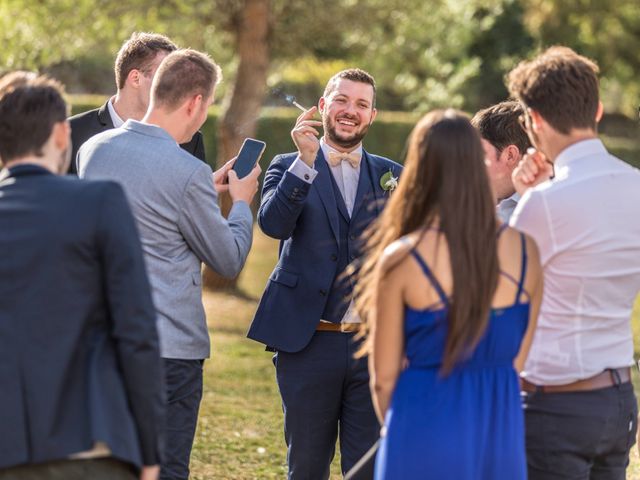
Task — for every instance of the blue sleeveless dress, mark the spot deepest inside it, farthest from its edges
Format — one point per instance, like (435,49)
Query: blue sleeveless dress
(468,425)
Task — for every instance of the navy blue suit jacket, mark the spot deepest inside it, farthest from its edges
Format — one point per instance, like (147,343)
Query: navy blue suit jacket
(305,218)
(79,359)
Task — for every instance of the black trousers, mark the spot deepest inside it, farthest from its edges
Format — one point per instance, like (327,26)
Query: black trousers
(183,380)
(94,469)
(580,435)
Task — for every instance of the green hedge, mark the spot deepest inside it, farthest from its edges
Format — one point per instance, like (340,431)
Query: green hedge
(387,135)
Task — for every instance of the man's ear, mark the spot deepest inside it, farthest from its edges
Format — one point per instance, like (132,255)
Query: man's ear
(536,120)
(61,135)
(321,104)
(194,104)
(374,113)
(511,155)
(133,78)
(599,112)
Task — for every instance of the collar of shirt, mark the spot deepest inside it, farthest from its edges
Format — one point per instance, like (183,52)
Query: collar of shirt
(115,118)
(581,149)
(326,149)
(148,129)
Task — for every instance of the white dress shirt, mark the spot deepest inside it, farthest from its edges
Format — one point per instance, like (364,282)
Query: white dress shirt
(346,178)
(115,118)
(505,207)
(586,222)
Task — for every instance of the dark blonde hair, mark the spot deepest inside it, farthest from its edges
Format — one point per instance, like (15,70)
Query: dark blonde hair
(139,52)
(445,180)
(560,85)
(182,74)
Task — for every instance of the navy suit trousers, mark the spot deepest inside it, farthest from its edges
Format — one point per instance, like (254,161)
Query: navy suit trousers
(325,393)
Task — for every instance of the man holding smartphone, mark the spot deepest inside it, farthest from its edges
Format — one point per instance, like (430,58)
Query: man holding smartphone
(173,196)
(318,201)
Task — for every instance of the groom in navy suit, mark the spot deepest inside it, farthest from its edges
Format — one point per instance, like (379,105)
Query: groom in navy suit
(318,201)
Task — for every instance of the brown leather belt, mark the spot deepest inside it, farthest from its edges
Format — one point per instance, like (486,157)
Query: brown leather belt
(605,379)
(338,327)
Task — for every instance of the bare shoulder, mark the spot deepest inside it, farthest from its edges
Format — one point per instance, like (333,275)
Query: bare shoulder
(395,255)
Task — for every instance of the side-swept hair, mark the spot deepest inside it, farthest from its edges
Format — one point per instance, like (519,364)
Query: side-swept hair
(138,53)
(182,74)
(30,106)
(561,86)
(355,75)
(499,125)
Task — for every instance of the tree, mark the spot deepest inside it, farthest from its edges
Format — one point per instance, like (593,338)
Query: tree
(242,105)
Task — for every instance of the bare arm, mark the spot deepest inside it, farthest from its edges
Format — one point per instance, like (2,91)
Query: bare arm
(535,288)
(385,361)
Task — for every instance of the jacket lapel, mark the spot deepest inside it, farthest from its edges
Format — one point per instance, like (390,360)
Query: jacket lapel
(104,117)
(369,189)
(324,186)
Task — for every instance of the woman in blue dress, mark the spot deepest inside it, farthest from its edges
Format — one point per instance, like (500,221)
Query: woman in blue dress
(452,299)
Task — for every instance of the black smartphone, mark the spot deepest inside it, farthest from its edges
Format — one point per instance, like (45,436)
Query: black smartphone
(249,154)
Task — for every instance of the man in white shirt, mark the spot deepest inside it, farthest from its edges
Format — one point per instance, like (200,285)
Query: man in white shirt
(580,407)
(505,142)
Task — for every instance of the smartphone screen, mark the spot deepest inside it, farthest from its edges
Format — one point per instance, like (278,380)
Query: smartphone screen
(248,156)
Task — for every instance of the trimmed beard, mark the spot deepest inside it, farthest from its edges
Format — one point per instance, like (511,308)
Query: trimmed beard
(330,132)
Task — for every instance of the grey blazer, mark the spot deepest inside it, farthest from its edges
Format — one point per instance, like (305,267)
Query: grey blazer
(174,202)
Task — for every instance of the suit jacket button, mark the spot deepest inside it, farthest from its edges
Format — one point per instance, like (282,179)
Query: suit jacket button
(323,292)
(352,237)
(295,190)
(334,257)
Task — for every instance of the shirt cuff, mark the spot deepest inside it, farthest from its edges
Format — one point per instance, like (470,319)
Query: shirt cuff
(302,170)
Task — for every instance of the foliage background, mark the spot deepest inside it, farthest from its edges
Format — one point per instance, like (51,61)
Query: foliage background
(423,54)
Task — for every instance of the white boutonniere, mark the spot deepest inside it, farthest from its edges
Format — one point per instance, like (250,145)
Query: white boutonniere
(388,182)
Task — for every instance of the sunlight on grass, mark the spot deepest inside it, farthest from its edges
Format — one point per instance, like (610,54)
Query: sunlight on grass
(240,433)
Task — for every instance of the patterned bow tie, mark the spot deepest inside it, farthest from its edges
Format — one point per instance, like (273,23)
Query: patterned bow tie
(336,157)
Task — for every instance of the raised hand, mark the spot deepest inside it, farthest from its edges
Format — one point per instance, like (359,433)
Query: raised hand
(305,136)
(533,169)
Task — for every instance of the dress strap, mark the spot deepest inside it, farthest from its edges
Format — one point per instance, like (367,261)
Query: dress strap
(429,274)
(523,269)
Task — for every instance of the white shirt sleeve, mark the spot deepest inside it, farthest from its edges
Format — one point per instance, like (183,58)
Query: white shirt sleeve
(302,170)
(532,217)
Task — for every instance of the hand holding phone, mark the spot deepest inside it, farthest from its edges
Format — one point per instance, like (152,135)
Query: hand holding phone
(249,155)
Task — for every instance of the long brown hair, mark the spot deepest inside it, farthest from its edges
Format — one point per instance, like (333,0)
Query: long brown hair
(444,180)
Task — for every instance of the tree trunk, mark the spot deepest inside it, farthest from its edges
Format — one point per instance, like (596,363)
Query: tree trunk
(243,103)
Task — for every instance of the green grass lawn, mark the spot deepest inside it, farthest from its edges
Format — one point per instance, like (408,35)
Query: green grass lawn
(239,433)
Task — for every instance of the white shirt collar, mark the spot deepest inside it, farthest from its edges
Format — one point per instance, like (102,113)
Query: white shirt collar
(115,118)
(583,148)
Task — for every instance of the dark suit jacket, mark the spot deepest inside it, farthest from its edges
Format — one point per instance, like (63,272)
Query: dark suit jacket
(87,124)
(305,218)
(79,360)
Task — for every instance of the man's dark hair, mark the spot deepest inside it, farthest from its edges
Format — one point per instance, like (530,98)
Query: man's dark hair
(499,125)
(561,86)
(139,52)
(355,75)
(182,74)
(29,108)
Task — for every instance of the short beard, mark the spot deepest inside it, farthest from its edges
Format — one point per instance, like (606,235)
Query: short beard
(346,143)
